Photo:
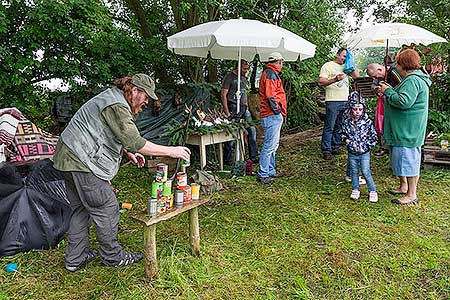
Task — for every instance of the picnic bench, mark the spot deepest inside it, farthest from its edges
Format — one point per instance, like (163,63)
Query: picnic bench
(149,224)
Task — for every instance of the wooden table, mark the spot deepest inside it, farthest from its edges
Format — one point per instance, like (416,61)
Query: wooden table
(150,259)
(215,138)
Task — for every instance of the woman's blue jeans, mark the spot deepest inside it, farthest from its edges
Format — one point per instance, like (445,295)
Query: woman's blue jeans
(362,162)
(272,128)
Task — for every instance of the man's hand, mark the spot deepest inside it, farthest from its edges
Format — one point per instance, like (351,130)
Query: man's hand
(339,77)
(136,158)
(384,86)
(180,152)
(274,106)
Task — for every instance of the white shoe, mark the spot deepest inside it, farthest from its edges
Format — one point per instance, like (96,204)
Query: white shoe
(355,194)
(373,197)
(362,181)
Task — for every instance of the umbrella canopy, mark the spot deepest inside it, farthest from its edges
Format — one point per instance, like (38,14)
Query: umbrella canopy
(224,39)
(396,34)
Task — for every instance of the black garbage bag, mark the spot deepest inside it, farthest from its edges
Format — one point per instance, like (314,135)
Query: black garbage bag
(34,209)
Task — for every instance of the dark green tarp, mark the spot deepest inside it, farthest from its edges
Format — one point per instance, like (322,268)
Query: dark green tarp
(155,128)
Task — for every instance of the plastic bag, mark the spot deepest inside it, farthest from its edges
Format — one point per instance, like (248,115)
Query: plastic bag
(379,116)
(349,64)
(209,183)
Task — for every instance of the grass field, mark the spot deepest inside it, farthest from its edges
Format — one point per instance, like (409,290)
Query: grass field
(302,238)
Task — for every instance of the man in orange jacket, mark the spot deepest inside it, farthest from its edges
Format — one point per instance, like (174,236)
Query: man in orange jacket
(273,111)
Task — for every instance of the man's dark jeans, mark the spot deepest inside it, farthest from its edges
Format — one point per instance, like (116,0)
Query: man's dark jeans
(331,139)
(252,147)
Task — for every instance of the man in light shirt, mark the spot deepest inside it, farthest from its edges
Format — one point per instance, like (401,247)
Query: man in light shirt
(336,85)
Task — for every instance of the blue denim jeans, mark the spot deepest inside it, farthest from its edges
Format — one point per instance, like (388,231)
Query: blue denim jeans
(362,162)
(252,147)
(272,128)
(331,139)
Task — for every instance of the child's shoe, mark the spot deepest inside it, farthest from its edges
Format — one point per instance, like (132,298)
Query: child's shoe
(355,194)
(373,197)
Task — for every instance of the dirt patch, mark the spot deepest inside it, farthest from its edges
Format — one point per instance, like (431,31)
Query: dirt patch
(300,138)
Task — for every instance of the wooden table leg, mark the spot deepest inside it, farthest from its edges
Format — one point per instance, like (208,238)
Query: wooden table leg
(194,231)
(150,260)
(202,155)
(221,156)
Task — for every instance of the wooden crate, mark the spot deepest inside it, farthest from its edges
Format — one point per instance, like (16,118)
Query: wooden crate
(434,155)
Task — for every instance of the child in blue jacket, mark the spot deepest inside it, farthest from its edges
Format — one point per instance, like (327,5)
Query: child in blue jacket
(358,133)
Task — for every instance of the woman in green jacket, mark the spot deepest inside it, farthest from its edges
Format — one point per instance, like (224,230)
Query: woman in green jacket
(405,123)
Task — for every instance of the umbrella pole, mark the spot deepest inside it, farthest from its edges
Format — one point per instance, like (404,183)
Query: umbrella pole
(238,101)
(386,59)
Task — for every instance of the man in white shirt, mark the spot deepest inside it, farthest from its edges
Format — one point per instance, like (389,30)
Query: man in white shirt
(336,85)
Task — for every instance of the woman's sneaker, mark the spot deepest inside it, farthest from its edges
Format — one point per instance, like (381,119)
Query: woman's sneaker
(355,194)
(373,197)
(128,258)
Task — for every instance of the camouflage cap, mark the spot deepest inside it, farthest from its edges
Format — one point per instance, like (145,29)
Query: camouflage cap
(144,82)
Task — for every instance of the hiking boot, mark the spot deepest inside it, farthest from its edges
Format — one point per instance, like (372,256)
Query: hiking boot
(264,180)
(355,194)
(373,197)
(90,256)
(362,181)
(327,155)
(278,175)
(128,258)
(255,160)
(336,152)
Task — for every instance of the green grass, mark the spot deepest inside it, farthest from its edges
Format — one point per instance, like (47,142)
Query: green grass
(302,238)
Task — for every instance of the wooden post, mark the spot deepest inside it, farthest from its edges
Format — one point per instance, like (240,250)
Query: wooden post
(202,153)
(221,156)
(150,260)
(194,231)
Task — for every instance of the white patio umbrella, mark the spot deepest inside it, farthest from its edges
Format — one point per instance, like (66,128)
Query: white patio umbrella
(392,35)
(240,39)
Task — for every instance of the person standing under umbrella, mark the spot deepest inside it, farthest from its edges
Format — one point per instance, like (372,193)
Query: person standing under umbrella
(229,103)
(273,111)
(336,85)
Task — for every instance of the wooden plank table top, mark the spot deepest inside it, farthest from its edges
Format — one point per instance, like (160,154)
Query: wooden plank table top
(148,220)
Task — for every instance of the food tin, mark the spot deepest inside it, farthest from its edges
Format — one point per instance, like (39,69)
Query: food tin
(161,205)
(157,188)
(187,194)
(161,172)
(167,188)
(181,179)
(179,194)
(195,191)
(153,207)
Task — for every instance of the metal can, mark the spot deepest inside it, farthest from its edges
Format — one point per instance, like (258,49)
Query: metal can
(167,188)
(187,194)
(181,179)
(185,163)
(152,207)
(161,172)
(161,205)
(195,191)
(179,194)
(157,188)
